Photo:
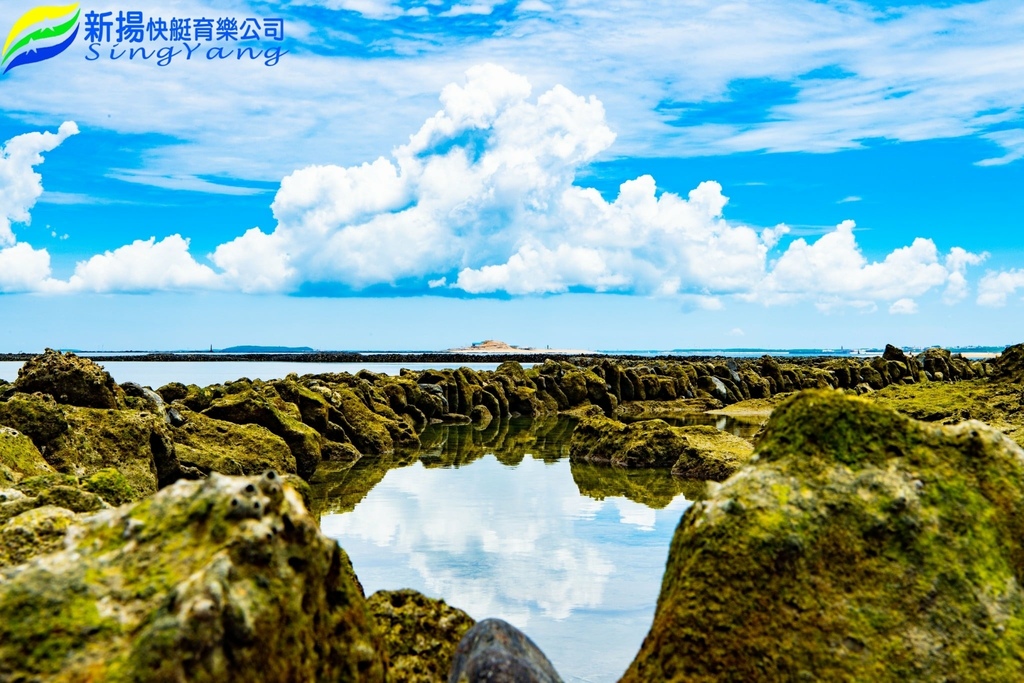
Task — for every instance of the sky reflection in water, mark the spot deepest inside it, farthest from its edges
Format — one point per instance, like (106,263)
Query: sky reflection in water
(509,536)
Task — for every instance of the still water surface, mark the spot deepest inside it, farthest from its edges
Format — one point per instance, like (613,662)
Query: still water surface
(499,523)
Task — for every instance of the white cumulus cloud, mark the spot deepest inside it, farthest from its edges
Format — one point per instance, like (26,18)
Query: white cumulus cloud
(20,185)
(143,265)
(483,200)
(995,287)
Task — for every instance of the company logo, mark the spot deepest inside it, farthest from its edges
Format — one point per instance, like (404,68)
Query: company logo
(47,31)
(40,33)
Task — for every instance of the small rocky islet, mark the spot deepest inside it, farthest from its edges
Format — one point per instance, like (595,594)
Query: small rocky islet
(872,528)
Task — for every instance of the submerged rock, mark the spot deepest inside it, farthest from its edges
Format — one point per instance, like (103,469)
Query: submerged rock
(224,579)
(858,544)
(420,633)
(69,379)
(494,651)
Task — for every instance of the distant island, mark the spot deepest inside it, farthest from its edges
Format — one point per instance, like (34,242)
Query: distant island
(493,346)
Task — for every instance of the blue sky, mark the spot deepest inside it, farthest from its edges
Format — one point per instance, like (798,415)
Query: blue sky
(586,174)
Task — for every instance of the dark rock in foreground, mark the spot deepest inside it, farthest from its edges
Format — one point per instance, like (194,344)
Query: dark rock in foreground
(224,579)
(859,544)
(494,651)
(420,634)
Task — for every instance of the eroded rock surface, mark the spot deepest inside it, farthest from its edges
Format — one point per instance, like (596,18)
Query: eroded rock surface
(223,579)
(859,544)
(698,452)
(420,633)
(69,379)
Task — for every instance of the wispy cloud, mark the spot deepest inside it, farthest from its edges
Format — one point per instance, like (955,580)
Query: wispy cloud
(850,199)
(183,182)
(853,75)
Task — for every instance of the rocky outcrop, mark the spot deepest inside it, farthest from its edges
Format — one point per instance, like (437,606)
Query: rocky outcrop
(1010,364)
(857,542)
(710,454)
(70,380)
(19,458)
(223,579)
(262,406)
(494,651)
(420,634)
(648,443)
(699,452)
(212,445)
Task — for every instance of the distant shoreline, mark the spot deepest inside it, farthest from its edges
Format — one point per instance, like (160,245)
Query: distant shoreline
(369,358)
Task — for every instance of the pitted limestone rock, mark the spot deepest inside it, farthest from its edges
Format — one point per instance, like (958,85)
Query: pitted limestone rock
(226,578)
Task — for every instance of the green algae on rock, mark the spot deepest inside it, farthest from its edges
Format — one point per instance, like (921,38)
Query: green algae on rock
(70,380)
(124,439)
(37,416)
(19,457)
(710,454)
(220,446)
(262,406)
(223,579)
(695,452)
(647,443)
(420,634)
(857,545)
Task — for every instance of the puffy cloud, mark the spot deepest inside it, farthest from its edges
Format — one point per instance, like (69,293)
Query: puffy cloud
(143,265)
(834,269)
(995,287)
(483,196)
(483,199)
(23,268)
(20,185)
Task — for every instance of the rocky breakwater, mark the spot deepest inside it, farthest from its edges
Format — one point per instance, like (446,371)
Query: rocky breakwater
(857,544)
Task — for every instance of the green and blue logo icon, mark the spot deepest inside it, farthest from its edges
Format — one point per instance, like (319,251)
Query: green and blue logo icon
(41,33)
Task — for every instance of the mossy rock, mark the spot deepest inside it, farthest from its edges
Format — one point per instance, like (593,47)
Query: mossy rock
(367,430)
(647,443)
(37,416)
(312,406)
(220,446)
(710,454)
(420,634)
(19,457)
(224,579)
(857,545)
(35,532)
(252,407)
(70,380)
(98,439)
(110,485)
(173,391)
